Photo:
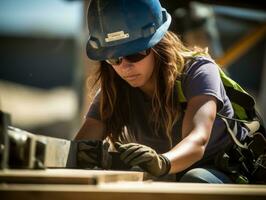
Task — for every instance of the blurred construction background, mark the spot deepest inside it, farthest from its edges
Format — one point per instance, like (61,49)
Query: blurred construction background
(46,79)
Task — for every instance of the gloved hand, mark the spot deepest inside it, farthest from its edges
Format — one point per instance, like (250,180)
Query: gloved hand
(145,157)
(93,153)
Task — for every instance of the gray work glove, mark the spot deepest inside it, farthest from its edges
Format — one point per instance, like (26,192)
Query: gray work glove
(93,153)
(144,157)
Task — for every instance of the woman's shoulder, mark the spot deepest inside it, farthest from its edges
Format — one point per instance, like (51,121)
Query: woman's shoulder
(202,78)
(196,62)
(199,65)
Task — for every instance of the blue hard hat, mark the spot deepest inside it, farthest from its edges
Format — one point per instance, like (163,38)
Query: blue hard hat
(123,27)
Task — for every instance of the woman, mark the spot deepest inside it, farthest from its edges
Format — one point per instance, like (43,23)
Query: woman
(138,106)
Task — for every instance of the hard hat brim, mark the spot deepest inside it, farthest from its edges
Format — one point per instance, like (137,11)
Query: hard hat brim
(129,47)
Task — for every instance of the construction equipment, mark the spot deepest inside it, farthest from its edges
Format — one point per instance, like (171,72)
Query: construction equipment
(21,149)
(4,148)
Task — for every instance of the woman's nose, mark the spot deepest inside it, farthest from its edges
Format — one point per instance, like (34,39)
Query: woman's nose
(126,65)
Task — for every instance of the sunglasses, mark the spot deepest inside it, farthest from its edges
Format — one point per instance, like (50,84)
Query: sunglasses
(136,57)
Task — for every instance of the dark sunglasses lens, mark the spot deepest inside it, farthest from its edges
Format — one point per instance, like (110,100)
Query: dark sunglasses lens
(114,61)
(137,56)
(131,58)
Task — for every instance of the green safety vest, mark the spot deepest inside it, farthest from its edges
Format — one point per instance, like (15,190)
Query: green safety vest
(243,103)
(251,154)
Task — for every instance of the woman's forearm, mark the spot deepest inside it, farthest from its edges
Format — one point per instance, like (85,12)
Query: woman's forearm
(185,153)
(91,129)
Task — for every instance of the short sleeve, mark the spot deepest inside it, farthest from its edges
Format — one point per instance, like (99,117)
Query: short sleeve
(202,78)
(94,109)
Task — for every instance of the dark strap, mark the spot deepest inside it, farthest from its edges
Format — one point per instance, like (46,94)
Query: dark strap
(245,100)
(232,135)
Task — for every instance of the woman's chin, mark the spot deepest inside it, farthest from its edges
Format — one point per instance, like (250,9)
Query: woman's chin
(134,84)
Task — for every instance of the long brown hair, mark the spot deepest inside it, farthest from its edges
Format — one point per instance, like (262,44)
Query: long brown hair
(170,58)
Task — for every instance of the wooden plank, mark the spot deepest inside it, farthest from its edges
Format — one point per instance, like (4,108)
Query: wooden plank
(67,176)
(134,191)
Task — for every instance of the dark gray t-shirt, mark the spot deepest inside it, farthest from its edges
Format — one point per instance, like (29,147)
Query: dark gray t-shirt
(201,78)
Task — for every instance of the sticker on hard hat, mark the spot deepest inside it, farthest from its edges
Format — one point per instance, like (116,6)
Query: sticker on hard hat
(119,35)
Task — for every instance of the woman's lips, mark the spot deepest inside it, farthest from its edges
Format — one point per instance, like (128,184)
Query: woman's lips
(131,77)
